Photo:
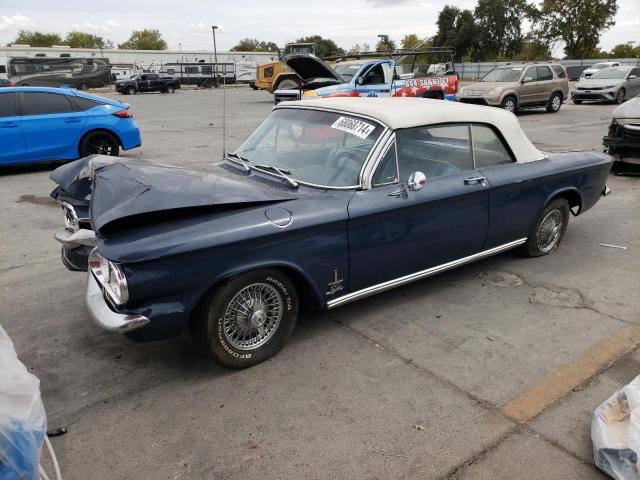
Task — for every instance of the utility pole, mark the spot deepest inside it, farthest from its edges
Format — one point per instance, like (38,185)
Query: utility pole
(215,54)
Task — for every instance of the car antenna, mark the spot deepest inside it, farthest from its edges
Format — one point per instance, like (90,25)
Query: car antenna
(224,122)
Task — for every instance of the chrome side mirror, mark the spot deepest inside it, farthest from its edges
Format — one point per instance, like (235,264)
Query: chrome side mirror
(417,181)
(360,81)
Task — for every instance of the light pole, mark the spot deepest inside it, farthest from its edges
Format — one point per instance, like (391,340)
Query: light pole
(215,54)
(180,61)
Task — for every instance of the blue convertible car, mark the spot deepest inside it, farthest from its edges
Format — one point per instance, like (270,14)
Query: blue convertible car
(325,203)
(42,124)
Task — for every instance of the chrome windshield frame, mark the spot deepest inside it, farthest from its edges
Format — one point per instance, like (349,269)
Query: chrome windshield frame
(373,152)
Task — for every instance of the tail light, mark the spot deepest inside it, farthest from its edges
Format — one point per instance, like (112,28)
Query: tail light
(123,114)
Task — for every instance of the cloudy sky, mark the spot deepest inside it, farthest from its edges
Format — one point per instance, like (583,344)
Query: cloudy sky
(351,22)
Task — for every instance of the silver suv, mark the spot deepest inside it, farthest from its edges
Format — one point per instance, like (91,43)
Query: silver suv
(520,85)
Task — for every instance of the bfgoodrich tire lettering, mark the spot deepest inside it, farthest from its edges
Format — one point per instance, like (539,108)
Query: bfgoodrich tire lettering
(247,319)
(549,229)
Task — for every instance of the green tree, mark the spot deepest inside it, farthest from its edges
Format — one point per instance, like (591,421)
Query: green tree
(86,40)
(533,49)
(385,44)
(577,23)
(325,47)
(499,25)
(255,45)
(625,50)
(410,41)
(359,48)
(457,29)
(147,39)
(37,39)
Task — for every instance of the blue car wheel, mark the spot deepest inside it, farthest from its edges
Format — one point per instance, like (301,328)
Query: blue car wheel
(99,142)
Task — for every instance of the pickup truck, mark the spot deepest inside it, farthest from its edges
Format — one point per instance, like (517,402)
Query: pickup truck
(364,78)
(147,82)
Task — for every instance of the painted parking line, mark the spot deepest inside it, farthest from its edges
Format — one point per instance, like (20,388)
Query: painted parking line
(525,407)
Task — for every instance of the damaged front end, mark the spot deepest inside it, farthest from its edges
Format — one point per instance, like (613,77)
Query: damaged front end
(622,141)
(101,196)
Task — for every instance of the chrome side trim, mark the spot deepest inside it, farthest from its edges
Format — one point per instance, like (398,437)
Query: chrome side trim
(104,316)
(381,287)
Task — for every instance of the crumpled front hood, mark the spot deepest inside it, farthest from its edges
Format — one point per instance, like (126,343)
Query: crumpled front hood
(629,109)
(122,189)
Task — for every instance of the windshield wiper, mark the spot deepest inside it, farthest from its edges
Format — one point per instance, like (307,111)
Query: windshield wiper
(284,173)
(243,161)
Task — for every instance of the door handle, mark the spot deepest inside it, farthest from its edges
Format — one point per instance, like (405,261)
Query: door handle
(474,180)
(72,120)
(9,124)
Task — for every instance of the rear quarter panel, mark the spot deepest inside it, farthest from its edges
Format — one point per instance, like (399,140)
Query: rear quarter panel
(520,191)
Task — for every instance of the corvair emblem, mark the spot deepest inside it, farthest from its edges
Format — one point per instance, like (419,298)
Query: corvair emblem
(336,285)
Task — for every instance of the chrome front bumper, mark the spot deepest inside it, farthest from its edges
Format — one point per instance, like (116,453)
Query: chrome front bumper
(104,316)
(76,239)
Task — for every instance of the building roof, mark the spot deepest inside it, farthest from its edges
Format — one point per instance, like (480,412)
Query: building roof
(405,112)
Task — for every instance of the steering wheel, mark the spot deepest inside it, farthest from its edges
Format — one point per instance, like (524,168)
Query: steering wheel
(343,162)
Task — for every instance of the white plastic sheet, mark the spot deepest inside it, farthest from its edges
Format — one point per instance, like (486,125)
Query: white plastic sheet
(615,432)
(23,422)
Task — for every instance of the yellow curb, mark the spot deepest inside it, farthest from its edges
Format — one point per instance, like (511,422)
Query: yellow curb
(558,384)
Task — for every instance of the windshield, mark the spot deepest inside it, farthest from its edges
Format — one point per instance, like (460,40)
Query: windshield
(311,146)
(133,77)
(599,66)
(347,71)
(610,73)
(504,74)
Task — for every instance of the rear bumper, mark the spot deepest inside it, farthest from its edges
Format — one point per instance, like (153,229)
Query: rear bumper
(129,135)
(104,316)
(285,95)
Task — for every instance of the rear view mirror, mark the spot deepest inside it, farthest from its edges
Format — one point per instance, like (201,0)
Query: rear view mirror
(417,180)
(527,79)
(631,77)
(360,81)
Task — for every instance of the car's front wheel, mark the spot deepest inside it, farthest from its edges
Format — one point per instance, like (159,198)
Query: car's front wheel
(247,319)
(620,96)
(555,102)
(100,143)
(549,229)
(169,89)
(510,104)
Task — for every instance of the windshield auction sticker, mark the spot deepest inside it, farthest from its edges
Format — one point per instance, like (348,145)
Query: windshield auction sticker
(359,128)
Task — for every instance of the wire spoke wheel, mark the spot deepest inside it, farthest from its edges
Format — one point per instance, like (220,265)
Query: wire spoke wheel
(549,231)
(252,316)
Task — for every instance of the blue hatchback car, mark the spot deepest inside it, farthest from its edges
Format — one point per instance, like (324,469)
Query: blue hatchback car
(43,124)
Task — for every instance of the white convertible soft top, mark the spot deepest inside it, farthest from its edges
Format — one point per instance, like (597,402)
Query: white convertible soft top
(401,112)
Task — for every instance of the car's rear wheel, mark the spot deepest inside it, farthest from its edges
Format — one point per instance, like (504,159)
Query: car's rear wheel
(555,102)
(549,229)
(510,104)
(131,91)
(247,319)
(620,96)
(99,143)
(169,89)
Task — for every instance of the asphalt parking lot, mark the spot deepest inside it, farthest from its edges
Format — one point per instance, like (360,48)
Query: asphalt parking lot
(488,371)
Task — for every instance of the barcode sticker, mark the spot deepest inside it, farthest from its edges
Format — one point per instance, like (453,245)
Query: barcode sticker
(359,128)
